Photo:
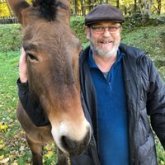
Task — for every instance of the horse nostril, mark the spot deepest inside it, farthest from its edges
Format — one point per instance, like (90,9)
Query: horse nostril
(68,144)
(73,146)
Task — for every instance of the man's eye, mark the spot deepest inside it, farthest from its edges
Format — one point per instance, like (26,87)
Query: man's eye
(113,28)
(99,28)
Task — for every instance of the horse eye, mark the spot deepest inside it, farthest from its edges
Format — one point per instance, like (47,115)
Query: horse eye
(32,57)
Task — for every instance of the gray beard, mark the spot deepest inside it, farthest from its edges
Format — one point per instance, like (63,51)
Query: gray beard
(103,53)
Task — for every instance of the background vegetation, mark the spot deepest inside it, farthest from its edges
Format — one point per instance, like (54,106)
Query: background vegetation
(82,7)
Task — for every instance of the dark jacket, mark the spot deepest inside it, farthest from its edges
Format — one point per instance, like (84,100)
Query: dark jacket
(145,92)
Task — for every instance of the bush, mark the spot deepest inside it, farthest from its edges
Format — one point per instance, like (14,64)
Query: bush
(77,24)
(10,37)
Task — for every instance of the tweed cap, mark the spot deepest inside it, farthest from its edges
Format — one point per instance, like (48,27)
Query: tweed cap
(104,12)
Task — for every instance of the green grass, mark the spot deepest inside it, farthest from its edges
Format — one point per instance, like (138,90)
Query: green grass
(8,74)
(10,37)
(150,39)
(13,146)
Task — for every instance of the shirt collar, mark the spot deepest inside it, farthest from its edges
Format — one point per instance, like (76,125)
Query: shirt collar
(92,63)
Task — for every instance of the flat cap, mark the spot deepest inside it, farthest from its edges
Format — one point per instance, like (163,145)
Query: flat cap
(104,12)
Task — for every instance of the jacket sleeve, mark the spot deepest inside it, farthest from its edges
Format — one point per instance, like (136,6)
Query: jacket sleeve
(156,102)
(31,105)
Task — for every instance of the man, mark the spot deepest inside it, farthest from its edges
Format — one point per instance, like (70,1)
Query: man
(120,88)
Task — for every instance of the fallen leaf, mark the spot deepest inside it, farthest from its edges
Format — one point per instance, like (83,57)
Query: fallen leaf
(5,160)
(3,127)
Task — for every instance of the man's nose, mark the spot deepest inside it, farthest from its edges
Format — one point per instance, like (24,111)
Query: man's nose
(106,32)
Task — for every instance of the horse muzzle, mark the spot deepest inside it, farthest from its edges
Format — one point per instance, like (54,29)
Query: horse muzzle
(72,142)
(74,147)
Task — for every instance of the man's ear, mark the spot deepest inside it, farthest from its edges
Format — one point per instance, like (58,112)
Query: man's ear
(87,32)
(18,6)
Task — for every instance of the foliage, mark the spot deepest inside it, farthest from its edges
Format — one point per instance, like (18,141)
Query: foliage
(13,146)
(160,152)
(82,7)
(127,6)
(4,10)
(10,37)
(29,1)
(77,24)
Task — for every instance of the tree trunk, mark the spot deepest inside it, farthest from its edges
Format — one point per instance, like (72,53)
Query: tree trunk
(74,7)
(118,3)
(82,7)
(135,5)
(159,6)
(145,8)
(90,4)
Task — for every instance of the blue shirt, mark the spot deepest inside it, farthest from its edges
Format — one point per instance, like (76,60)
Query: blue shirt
(112,117)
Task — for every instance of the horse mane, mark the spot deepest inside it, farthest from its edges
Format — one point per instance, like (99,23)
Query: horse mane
(47,8)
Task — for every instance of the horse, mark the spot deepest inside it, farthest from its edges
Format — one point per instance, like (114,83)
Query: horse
(52,52)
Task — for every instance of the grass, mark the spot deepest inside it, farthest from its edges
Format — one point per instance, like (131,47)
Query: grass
(13,146)
(150,39)
(10,37)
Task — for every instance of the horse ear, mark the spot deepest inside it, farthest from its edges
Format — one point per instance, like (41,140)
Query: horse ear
(18,6)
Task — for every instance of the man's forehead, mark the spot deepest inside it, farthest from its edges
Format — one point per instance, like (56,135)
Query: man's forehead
(107,23)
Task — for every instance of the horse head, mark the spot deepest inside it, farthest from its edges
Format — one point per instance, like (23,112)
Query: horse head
(53,69)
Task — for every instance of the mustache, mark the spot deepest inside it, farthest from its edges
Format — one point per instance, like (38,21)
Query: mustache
(105,41)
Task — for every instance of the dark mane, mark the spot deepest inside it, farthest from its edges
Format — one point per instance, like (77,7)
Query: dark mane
(47,8)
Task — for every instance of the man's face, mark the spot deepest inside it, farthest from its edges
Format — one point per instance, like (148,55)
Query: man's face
(104,38)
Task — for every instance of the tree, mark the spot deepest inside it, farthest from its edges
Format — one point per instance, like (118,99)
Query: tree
(74,7)
(117,3)
(4,9)
(159,6)
(145,9)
